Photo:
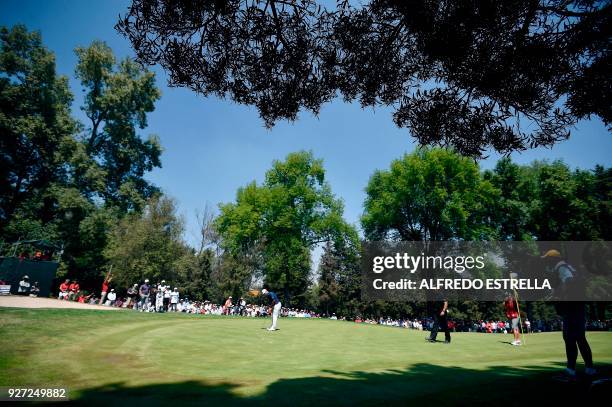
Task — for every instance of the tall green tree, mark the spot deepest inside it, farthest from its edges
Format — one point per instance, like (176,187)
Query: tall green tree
(36,132)
(338,288)
(602,193)
(328,284)
(148,244)
(285,217)
(118,97)
(549,201)
(62,180)
(516,187)
(431,194)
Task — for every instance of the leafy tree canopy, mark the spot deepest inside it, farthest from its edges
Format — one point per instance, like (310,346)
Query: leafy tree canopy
(431,194)
(549,201)
(35,123)
(117,100)
(501,74)
(59,179)
(282,220)
(147,245)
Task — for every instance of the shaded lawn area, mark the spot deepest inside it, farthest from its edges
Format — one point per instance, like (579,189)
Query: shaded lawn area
(153,359)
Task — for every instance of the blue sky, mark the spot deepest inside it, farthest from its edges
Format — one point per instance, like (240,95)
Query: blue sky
(212,146)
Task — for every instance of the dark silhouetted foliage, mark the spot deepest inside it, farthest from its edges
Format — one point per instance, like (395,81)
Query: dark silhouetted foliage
(501,74)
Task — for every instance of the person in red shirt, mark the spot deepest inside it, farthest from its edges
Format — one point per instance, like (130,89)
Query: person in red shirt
(74,290)
(105,284)
(64,290)
(511,308)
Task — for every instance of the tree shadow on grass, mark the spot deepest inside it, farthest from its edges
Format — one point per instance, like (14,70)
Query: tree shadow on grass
(420,383)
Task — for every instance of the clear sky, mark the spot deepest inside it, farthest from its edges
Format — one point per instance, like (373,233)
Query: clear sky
(212,146)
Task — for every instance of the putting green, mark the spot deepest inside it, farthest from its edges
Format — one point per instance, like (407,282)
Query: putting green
(159,358)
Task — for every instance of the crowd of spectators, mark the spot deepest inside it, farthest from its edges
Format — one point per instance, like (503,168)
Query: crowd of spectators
(161,297)
(300,313)
(599,325)
(414,323)
(425,324)
(497,326)
(491,326)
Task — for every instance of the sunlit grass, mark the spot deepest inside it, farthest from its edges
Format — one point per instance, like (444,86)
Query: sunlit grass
(153,357)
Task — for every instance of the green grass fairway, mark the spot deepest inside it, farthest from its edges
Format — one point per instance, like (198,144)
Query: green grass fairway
(152,359)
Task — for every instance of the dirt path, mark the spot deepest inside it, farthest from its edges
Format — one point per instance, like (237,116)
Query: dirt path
(17,301)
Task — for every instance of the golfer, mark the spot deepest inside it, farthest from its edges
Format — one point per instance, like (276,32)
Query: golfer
(277,307)
(572,313)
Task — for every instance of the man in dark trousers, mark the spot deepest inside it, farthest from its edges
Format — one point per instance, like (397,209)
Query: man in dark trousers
(573,314)
(440,322)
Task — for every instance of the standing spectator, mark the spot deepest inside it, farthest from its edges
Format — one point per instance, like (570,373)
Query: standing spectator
(24,286)
(242,307)
(160,291)
(159,298)
(64,290)
(167,292)
(74,290)
(111,298)
(131,295)
(227,306)
(105,284)
(573,315)
(527,326)
(150,307)
(143,292)
(174,299)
